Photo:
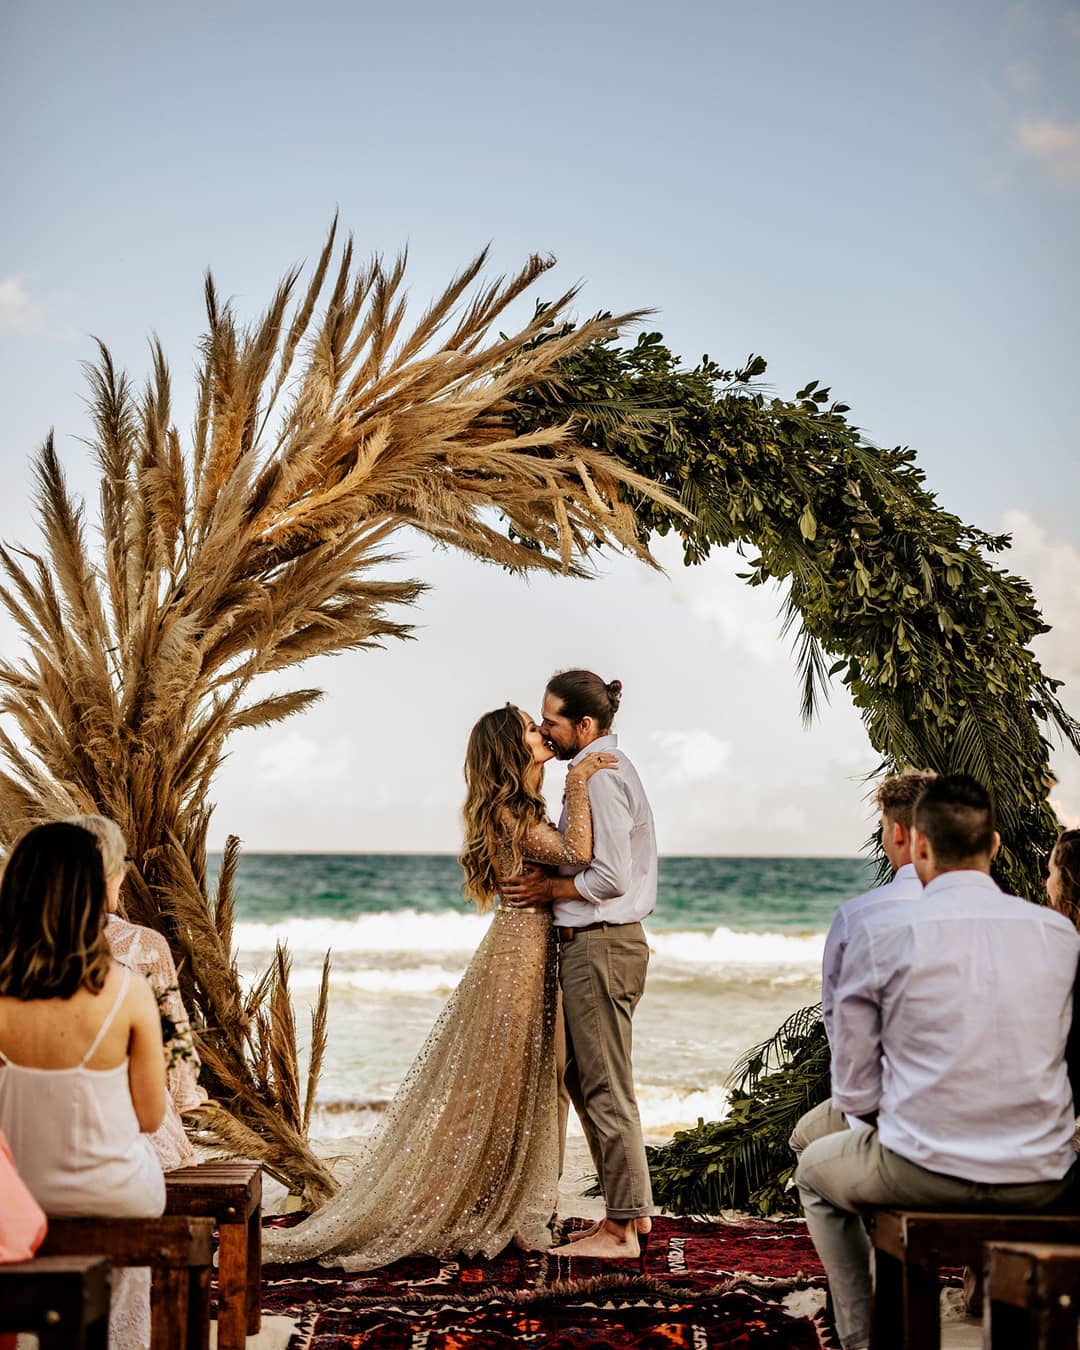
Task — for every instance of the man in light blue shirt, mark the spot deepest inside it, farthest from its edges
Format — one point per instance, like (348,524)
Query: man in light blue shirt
(951,1027)
(895,800)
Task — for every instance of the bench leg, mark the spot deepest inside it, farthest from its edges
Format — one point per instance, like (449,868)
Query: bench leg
(232,1315)
(922,1308)
(254,1272)
(1055,1327)
(97,1334)
(169,1309)
(198,1331)
(1009,1328)
(887,1320)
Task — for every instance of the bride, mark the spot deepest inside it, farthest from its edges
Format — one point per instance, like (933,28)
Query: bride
(467,1157)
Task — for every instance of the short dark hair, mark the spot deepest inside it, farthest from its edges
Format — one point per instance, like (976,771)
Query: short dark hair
(52,915)
(584,694)
(956,814)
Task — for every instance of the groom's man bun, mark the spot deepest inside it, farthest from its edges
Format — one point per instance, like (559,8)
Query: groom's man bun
(584,694)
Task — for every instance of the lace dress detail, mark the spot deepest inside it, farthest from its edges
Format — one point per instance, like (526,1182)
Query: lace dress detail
(467,1157)
(146,951)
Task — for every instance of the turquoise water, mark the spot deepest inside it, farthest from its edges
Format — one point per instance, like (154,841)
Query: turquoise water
(746,894)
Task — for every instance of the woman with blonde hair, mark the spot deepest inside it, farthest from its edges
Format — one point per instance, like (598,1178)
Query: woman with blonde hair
(146,951)
(467,1157)
(82,1072)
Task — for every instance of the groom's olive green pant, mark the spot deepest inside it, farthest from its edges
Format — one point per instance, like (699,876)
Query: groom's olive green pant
(602,973)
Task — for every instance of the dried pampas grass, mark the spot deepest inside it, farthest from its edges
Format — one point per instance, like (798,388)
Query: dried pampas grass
(320,431)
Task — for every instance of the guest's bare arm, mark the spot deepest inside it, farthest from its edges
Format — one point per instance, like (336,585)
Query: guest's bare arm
(146,1062)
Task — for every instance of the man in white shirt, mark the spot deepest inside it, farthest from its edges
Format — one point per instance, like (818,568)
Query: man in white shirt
(895,800)
(950,1032)
(603,956)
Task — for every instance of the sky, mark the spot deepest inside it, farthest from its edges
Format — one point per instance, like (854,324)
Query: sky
(885,198)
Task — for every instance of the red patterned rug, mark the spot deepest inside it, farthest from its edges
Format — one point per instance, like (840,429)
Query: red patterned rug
(709,1286)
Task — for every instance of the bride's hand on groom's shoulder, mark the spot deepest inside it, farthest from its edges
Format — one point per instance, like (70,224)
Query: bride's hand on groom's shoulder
(599,759)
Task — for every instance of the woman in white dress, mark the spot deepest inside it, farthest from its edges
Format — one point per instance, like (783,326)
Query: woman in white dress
(144,950)
(467,1157)
(82,1071)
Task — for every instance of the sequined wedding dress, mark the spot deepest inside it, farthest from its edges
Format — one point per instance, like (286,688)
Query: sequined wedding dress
(466,1159)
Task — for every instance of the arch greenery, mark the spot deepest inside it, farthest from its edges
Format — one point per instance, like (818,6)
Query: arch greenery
(886,591)
(333,421)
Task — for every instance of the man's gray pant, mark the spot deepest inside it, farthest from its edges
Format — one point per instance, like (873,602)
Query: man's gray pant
(602,973)
(841,1171)
(819,1121)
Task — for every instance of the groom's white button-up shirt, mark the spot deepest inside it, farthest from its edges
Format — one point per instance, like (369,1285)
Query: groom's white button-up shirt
(619,885)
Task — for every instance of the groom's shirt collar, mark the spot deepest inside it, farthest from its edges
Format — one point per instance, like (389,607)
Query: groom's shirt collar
(602,743)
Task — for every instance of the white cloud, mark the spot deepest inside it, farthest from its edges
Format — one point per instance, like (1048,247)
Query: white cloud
(19,313)
(745,616)
(1052,567)
(691,756)
(292,761)
(1056,145)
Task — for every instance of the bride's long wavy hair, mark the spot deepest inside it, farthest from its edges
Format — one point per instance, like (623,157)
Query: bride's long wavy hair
(498,795)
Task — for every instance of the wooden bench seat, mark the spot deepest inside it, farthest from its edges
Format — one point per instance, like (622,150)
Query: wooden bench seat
(229,1193)
(1032,1295)
(910,1249)
(178,1251)
(63,1300)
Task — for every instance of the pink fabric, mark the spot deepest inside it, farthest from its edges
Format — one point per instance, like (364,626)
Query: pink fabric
(22,1220)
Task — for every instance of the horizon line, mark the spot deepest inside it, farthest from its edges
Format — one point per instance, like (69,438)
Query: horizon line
(445,853)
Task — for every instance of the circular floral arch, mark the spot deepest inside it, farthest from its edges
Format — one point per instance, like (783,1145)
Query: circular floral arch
(254,544)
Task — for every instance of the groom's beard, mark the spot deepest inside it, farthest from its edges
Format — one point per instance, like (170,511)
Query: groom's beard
(565,752)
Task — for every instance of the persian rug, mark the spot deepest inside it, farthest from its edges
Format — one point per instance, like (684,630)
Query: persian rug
(706,1286)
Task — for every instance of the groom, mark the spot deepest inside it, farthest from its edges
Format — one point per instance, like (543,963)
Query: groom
(597,911)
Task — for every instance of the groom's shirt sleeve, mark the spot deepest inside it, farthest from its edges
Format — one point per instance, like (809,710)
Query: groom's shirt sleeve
(609,873)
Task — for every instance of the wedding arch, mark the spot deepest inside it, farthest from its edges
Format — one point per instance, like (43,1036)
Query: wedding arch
(329,424)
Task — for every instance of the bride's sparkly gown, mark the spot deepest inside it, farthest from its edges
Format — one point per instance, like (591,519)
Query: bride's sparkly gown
(467,1156)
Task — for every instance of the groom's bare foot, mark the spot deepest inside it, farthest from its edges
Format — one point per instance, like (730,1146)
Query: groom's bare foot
(611,1242)
(643,1225)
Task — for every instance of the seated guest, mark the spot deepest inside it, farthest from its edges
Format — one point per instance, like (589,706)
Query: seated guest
(82,1073)
(1063,892)
(146,951)
(1063,876)
(950,1030)
(895,801)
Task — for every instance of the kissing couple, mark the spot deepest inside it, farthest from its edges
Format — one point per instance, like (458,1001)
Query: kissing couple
(467,1158)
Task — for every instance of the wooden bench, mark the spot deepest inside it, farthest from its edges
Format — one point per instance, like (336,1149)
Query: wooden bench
(179,1252)
(1032,1293)
(229,1193)
(63,1300)
(910,1249)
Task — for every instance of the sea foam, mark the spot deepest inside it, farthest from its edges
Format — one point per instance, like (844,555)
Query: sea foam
(444,932)
(662,1111)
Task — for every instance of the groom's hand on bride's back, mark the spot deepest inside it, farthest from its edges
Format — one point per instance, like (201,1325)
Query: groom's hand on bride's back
(532,886)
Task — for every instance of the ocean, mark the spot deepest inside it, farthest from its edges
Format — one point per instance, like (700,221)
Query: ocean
(736,946)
